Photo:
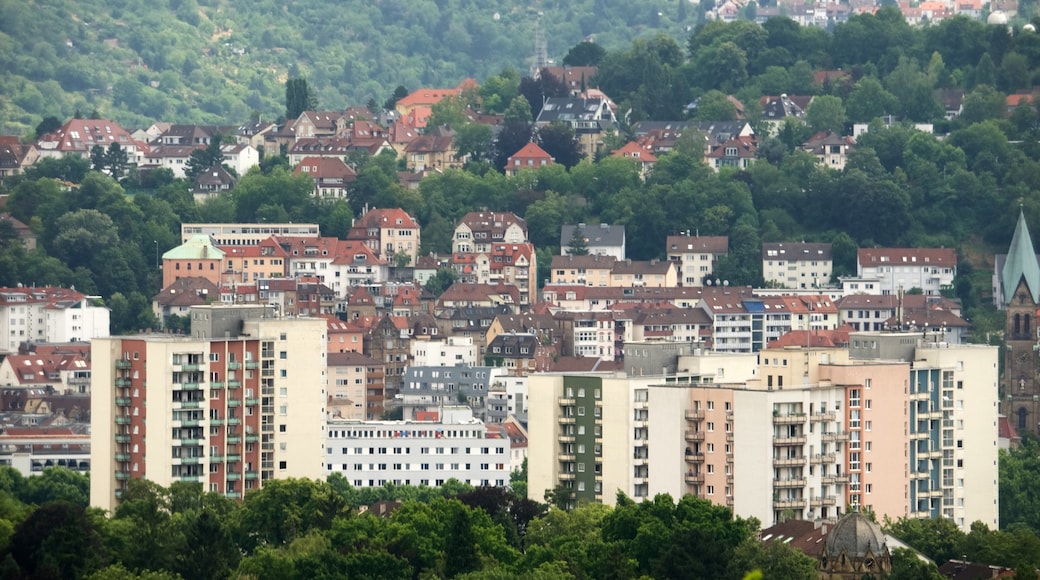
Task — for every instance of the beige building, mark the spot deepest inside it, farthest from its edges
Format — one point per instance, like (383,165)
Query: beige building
(230,412)
(590,270)
(806,433)
(797,265)
(695,256)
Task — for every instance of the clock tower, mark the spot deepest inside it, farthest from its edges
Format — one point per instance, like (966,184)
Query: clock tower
(1020,279)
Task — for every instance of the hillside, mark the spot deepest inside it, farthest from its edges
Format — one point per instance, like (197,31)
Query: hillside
(218,60)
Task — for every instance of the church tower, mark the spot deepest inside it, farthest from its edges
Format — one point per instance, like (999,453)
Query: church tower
(1021,285)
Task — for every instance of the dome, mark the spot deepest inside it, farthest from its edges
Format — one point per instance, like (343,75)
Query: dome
(855,535)
(997,17)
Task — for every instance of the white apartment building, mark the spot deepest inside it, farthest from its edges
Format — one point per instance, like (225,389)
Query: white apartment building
(797,265)
(49,314)
(453,351)
(247,234)
(458,446)
(229,412)
(929,269)
(695,256)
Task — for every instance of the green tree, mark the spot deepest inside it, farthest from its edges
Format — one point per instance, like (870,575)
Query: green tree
(585,53)
(826,113)
(578,244)
(298,98)
(441,281)
(560,142)
(869,100)
(715,106)
(57,540)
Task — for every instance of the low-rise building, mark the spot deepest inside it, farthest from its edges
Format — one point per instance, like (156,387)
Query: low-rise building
(797,265)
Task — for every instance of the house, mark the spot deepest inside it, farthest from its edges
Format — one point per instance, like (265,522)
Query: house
(478,231)
(356,386)
(778,109)
(23,231)
(332,177)
(247,264)
(467,295)
(929,269)
(240,157)
(641,155)
(316,124)
(433,151)
(797,265)
(739,152)
(389,233)
(643,273)
(591,119)
(600,239)
(591,270)
(695,256)
(576,78)
(181,295)
(355,264)
(430,97)
(530,156)
(78,136)
(304,296)
(953,102)
(48,314)
(830,149)
(197,257)
(253,134)
(15,157)
(212,182)
(520,354)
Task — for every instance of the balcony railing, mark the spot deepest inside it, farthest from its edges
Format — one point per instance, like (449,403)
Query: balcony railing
(565,401)
(695,415)
(694,478)
(836,436)
(694,458)
(827,416)
(788,461)
(823,458)
(694,436)
(790,482)
(795,503)
(789,419)
(122,364)
(795,440)
(822,501)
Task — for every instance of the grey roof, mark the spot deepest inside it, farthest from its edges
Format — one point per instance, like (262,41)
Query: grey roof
(856,536)
(571,109)
(596,235)
(1021,263)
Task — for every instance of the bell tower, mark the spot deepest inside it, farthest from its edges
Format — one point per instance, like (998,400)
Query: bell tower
(1020,279)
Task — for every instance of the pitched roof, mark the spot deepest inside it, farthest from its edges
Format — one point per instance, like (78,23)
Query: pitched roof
(901,256)
(596,235)
(325,168)
(587,262)
(191,291)
(633,150)
(1021,263)
(701,244)
(385,218)
(796,251)
(198,247)
(530,151)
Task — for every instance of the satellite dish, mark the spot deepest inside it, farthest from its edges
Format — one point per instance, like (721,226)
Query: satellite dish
(725,282)
(707,282)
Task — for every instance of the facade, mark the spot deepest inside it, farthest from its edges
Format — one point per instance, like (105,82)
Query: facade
(530,156)
(78,136)
(591,270)
(591,119)
(429,389)
(1020,281)
(797,265)
(198,257)
(453,445)
(245,264)
(356,387)
(388,232)
(231,412)
(332,177)
(246,234)
(48,314)
(449,352)
(695,256)
(478,232)
(929,269)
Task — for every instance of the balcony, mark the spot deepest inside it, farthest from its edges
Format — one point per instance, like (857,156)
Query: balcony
(823,458)
(216,421)
(234,421)
(252,364)
(122,438)
(187,423)
(234,403)
(252,475)
(193,478)
(216,384)
(189,460)
(694,436)
(819,417)
(790,482)
(191,367)
(789,419)
(729,437)
(186,404)
(565,402)
(234,476)
(233,457)
(122,420)
(836,479)
(232,495)
(216,458)
(122,382)
(789,461)
(252,402)
(836,436)
(567,420)
(186,387)
(252,438)
(696,415)
(122,364)
(566,438)
(796,503)
(122,457)
(694,478)
(796,440)
(567,477)
(565,457)
(694,458)
(234,384)
(123,401)
(122,475)
(233,440)
(822,501)
(234,366)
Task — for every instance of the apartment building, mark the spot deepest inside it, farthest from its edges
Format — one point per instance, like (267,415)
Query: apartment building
(929,269)
(238,402)
(451,444)
(356,386)
(389,233)
(48,314)
(429,389)
(246,234)
(449,352)
(695,256)
(797,265)
(478,231)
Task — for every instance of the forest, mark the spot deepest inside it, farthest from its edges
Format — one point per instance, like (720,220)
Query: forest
(298,528)
(219,61)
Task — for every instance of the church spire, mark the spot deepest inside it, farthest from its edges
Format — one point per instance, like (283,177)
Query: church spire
(1021,263)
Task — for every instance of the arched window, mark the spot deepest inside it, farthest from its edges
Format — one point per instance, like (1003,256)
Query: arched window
(1018,325)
